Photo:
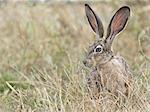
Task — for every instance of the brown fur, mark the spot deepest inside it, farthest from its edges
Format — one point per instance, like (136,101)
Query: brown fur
(113,76)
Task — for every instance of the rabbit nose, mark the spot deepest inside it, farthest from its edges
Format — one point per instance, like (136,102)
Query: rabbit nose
(84,62)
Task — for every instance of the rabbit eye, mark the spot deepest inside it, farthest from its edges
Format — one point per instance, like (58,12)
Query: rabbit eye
(99,49)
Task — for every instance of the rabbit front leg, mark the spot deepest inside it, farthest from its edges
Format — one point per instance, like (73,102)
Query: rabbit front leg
(94,84)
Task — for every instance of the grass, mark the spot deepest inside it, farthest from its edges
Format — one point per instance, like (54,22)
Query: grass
(41,52)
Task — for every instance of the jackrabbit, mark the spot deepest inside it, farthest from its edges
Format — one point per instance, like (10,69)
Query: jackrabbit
(110,73)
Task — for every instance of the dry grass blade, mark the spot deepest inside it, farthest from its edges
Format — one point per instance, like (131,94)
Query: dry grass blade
(41,51)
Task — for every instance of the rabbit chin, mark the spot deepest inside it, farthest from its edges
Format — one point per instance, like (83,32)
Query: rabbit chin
(87,63)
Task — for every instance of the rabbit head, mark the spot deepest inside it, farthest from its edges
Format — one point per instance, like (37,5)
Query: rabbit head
(100,52)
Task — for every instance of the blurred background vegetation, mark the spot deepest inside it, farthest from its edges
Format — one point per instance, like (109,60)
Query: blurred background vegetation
(42,46)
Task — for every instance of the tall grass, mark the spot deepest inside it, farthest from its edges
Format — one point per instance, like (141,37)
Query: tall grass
(41,52)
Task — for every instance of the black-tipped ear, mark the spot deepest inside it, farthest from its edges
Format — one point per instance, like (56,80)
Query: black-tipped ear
(117,23)
(94,21)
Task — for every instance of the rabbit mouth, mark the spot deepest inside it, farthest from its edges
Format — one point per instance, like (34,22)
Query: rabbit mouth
(87,63)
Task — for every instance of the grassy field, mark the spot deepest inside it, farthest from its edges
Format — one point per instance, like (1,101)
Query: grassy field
(41,51)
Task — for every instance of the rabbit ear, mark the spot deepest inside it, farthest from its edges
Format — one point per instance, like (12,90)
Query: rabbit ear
(117,24)
(94,21)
